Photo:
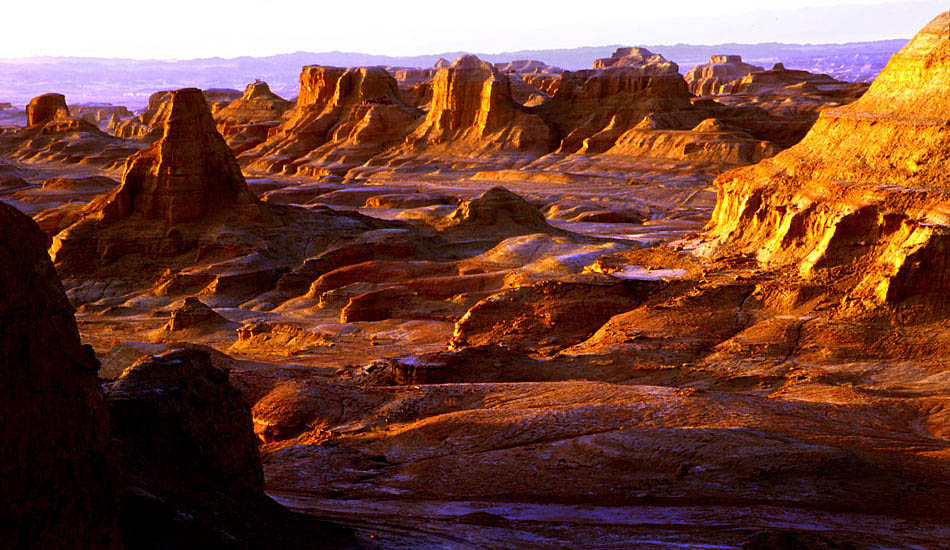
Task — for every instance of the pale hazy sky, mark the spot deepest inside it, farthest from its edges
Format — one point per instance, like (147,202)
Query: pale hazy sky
(177,29)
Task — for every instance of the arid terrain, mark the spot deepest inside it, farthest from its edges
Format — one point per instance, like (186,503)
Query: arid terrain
(484,305)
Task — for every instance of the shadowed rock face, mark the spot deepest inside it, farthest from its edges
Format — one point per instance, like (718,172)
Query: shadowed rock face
(185,175)
(45,108)
(195,476)
(865,187)
(58,484)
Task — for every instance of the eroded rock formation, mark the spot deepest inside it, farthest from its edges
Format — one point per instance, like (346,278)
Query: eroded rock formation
(343,117)
(713,77)
(244,123)
(639,58)
(52,135)
(185,175)
(863,188)
(45,108)
(194,471)
(473,114)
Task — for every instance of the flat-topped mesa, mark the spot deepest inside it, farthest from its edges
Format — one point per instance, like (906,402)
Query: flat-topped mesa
(343,117)
(189,173)
(45,108)
(709,79)
(866,187)
(472,110)
(640,58)
(776,78)
(528,66)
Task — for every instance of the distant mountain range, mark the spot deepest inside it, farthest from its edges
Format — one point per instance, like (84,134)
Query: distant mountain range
(129,82)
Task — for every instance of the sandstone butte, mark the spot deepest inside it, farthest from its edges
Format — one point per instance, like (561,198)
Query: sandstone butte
(472,114)
(342,118)
(353,123)
(183,217)
(149,123)
(710,78)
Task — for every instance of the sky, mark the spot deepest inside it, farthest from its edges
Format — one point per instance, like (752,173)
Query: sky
(186,29)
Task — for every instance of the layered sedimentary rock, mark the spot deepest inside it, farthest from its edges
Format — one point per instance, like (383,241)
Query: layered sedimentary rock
(102,115)
(148,124)
(473,115)
(528,66)
(342,118)
(709,79)
(859,203)
(639,58)
(629,113)
(244,123)
(778,77)
(45,108)
(52,135)
(188,173)
(58,484)
(183,221)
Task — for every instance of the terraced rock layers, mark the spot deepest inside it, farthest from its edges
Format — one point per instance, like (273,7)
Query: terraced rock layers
(865,193)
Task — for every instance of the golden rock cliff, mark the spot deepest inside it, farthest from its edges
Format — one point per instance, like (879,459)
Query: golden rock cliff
(862,200)
(343,117)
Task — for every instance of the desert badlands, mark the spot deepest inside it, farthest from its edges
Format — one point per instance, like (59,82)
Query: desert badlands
(483,305)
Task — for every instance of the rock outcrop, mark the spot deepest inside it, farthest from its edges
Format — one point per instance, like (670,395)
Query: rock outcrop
(245,122)
(195,475)
(711,78)
(52,135)
(859,203)
(45,108)
(148,123)
(638,58)
(473,115)
(102,115)
(185,175)
(342,118)
(59,486)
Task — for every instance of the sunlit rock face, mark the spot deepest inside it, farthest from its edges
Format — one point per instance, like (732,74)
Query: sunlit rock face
(245,122)
(472,111)
(708,79)
(342,118)
(52,135)
(186,174)
(45,108)
(863,194)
